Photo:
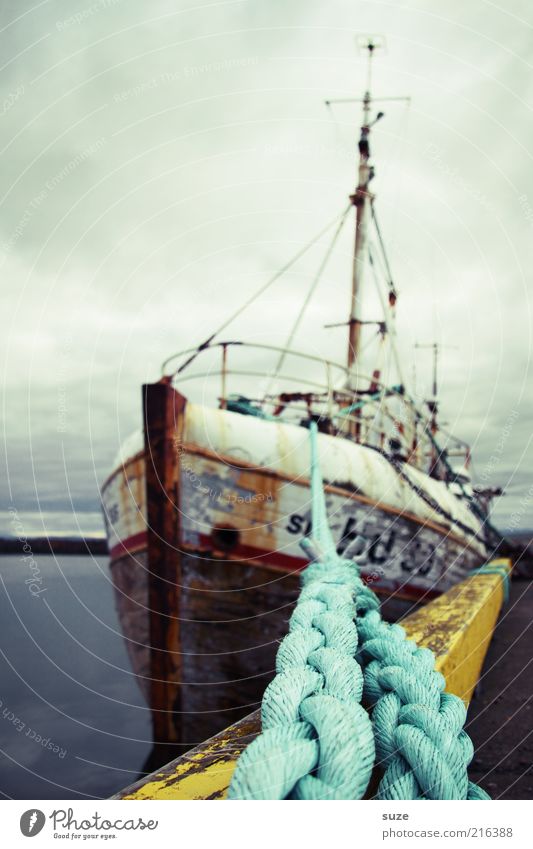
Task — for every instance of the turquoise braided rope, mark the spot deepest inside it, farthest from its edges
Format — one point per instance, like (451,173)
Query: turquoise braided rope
(420,742)
(317,740)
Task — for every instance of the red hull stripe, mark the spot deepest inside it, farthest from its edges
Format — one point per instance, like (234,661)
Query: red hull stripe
(129,545)
(277,559)
(274,559)
(290,563)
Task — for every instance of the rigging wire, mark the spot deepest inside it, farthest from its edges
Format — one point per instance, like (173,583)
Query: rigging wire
(308,297)
(392,287)
(386,315)
(395,165)
(260,291)
(381,267)
(336,124)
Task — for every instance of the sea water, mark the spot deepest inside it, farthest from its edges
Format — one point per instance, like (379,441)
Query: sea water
(73,723)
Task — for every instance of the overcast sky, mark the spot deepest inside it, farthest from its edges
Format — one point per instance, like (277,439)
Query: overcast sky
(160,160)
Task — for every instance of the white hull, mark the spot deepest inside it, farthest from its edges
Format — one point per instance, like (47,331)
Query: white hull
(244,494)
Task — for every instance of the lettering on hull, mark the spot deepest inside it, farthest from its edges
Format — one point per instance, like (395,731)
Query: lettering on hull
(239,510)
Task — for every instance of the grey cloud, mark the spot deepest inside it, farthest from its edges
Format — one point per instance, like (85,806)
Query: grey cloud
(182,156)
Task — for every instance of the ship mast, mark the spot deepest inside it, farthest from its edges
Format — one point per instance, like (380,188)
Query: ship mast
(361,200)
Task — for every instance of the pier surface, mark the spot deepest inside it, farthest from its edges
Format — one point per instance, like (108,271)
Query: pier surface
(500,719)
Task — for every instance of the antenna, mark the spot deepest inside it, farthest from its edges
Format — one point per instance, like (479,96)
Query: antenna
(433,402)
(437,348)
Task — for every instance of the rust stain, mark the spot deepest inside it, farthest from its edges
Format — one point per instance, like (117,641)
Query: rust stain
(283,477)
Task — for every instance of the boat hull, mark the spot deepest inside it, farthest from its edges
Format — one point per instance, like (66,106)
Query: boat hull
(205,560)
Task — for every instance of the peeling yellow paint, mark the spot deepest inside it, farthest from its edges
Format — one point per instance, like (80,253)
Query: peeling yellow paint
(458,627)
(212,781)
(204,774)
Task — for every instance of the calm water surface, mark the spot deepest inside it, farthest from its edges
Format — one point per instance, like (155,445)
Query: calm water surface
(73,723)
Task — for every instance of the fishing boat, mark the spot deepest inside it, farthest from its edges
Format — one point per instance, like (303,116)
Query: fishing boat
(207,501)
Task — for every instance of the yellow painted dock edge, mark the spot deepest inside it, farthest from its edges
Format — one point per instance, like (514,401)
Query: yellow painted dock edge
(457,627)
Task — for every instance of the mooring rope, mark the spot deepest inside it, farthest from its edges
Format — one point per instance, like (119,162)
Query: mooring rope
(317,739)
(419,736)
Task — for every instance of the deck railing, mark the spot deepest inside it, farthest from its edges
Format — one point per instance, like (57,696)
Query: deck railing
(373,413)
